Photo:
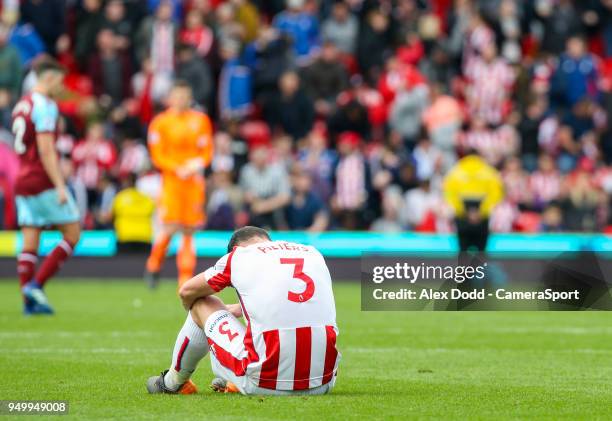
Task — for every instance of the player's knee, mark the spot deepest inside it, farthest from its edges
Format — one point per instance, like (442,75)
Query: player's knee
(203,307)
(209,303)
(72,233)
(170,229)
(188,230)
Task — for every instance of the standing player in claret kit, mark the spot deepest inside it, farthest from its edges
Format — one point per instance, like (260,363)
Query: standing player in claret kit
(43,199)
(180,142)
(288,345)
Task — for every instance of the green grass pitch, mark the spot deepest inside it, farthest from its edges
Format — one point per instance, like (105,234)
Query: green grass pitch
(108,337)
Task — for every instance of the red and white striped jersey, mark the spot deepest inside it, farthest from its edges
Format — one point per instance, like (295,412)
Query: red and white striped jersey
(504,217)
(494,145)
(489,89)
(285,291)
(351,182)
(545,186)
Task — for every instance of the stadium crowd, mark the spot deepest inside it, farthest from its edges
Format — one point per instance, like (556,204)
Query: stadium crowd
(348,114)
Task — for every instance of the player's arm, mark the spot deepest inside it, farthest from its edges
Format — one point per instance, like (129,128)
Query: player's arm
(204,145)
(195,288)
(320,222)
(44,116)
(161,159)
(207,283)
(161,156)
(48,156)
(271,204)
(205,142)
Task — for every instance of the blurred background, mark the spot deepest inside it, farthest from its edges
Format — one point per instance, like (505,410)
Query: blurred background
(357,111)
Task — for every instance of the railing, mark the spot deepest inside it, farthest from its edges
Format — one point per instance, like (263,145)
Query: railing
(338,244)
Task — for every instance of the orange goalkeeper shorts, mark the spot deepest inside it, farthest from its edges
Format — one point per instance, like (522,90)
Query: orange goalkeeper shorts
(182,201)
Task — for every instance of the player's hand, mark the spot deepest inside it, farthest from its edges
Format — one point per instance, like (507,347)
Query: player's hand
(249,197)
(183,173)
(256,207)
(62,195)
(195,165)
(191,167)
(473,215)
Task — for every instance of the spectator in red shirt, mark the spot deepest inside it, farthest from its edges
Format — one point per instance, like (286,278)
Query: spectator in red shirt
(545,183)
(493,144)
(516,181)
(397,76)
(197,34)
(352,181)
(489,85)
(412,50)
(93,156)
(133,158)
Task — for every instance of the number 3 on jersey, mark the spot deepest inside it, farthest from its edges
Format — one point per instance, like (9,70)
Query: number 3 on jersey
(298,267)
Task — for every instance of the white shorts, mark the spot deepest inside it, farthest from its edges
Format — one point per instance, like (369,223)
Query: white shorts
(228,356)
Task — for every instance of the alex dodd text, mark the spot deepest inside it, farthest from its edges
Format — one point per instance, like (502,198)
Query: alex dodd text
(475,294)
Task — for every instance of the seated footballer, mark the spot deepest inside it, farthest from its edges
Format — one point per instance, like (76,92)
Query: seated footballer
(288,345)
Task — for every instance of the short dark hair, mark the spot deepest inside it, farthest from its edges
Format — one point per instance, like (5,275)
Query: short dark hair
(244,234)
(181,83)
(48,64)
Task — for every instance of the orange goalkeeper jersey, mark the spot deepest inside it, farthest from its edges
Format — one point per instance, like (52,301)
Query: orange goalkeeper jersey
(176,138)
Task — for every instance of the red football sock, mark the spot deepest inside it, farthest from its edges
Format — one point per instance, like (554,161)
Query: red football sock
(54,261)
(26,265)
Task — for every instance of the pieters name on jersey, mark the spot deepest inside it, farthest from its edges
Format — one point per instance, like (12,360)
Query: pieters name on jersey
(280,245)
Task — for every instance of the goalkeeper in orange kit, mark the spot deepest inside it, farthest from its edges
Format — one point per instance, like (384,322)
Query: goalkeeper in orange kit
(180,143)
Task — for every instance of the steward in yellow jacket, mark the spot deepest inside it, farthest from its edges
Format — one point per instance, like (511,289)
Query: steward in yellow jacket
(472,181)
(473,188)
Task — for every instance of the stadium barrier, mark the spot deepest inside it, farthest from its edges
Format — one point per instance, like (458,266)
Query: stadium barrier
(337,244)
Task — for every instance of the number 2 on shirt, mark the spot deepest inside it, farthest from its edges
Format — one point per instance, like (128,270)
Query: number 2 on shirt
(298,267)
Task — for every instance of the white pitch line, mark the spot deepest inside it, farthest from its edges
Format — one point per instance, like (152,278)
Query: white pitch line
(70,334)
(121,333)
(345,351)
(412,350)
(567,330)
(82,350)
